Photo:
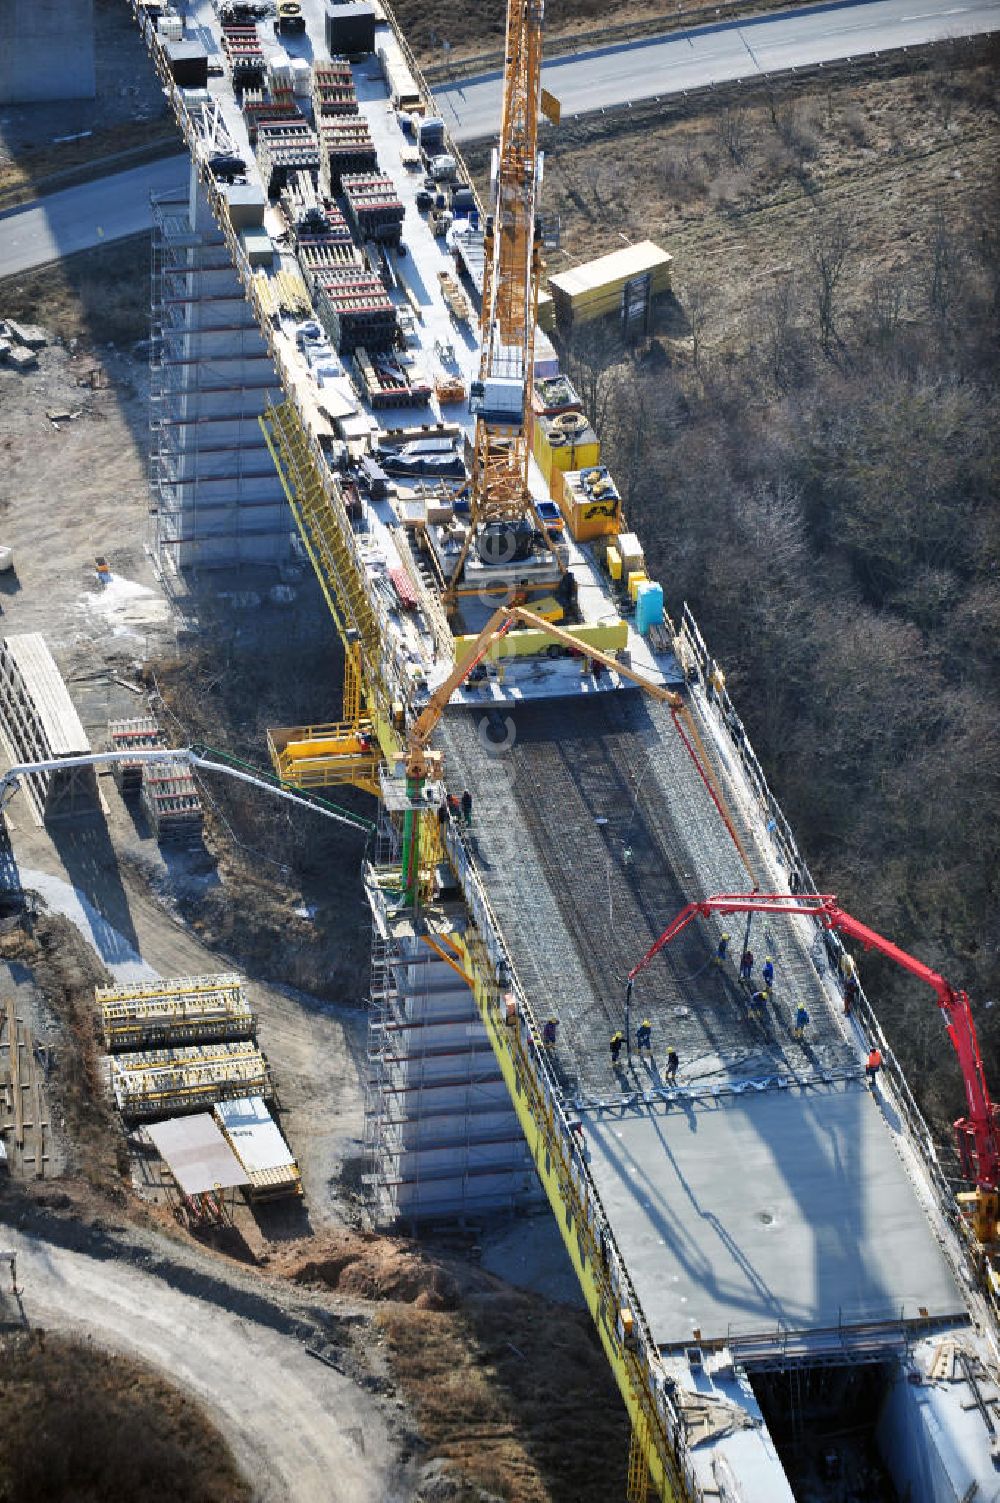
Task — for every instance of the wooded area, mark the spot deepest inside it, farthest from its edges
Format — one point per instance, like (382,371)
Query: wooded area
(822,491)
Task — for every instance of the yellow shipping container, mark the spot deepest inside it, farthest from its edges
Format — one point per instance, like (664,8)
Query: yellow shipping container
(589,501)
(614,563)
(634,581)
(564,442)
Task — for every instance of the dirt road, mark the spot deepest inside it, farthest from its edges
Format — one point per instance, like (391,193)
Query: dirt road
(298,1428)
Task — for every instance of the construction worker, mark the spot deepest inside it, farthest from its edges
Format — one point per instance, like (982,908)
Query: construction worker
(673,1063)
(801,1022)
(746,966)
(442,814)
(851,992)
(549,1032)
(758,1002)
(768,972)
(721,948)
(617,1041)
(873,1066)
(644,1036)
(467,807)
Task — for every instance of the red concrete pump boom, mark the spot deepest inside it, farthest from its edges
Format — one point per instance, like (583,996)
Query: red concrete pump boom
(979,1131)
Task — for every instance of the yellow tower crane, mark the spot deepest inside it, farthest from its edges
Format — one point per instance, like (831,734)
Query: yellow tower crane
(501,502)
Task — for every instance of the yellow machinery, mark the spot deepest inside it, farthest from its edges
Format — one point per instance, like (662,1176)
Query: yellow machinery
(512,268)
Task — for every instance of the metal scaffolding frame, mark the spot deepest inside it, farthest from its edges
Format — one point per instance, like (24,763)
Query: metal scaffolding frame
(441,1136)
(216,500)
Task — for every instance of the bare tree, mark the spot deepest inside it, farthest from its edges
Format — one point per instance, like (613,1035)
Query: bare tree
(829,246)
(733,130)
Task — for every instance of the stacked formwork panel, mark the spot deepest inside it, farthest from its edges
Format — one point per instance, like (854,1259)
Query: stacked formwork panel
(172,804)
(217,501)
(333,91)
(354,309)
(373,206)
(141,734)
(286,147)
(346,148)
(441,1134)
(184,1010)
(165,1082)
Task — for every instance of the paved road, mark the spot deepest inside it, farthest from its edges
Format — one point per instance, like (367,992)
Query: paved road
(113,207)
(718,54)
(300,1430)
(78,218)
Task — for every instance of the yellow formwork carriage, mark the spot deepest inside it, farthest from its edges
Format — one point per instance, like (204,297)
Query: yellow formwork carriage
(609,637)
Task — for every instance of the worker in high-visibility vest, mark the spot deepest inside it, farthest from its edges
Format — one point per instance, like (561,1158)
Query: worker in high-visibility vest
(873,1066)
(617,1040)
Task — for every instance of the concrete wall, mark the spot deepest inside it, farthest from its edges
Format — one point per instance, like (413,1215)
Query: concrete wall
(46,50)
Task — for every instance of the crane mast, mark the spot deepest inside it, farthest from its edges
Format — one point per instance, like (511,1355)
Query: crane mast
(512,268)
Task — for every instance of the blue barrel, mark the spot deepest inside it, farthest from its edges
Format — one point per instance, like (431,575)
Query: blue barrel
(649,606)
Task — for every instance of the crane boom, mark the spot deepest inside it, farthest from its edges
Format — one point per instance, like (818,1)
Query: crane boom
(979,1132)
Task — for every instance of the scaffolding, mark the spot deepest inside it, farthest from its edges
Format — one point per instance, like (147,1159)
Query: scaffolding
(185,1010)
(216,501)
(441,1136)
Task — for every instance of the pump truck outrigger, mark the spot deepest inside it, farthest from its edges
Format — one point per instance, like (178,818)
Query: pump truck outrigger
(978,1132)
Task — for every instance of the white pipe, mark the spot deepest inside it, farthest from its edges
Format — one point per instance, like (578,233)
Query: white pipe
(187,758)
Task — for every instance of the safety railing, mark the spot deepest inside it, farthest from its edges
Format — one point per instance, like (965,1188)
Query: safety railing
(536,1080)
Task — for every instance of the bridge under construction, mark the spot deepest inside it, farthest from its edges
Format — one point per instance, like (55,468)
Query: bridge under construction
(560,771)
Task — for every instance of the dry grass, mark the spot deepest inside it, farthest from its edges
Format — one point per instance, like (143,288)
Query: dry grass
(498,1381)
(739,185)
(475,33)
(76,1424)
(100,296)
(46,169)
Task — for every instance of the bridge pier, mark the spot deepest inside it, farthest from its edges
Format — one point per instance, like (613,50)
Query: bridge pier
(217,497)
(442,1136)
(47,51)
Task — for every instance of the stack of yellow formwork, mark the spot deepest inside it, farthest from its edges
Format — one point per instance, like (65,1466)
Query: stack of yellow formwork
(164,1082)
(185,1010)
(595,289)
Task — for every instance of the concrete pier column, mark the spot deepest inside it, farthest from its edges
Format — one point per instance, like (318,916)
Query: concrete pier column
(46,50)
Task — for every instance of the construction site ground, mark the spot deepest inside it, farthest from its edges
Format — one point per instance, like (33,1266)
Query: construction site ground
(281,901)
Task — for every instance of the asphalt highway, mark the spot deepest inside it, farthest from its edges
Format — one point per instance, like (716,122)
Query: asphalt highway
(775,43)
(113,207)
(108,208)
